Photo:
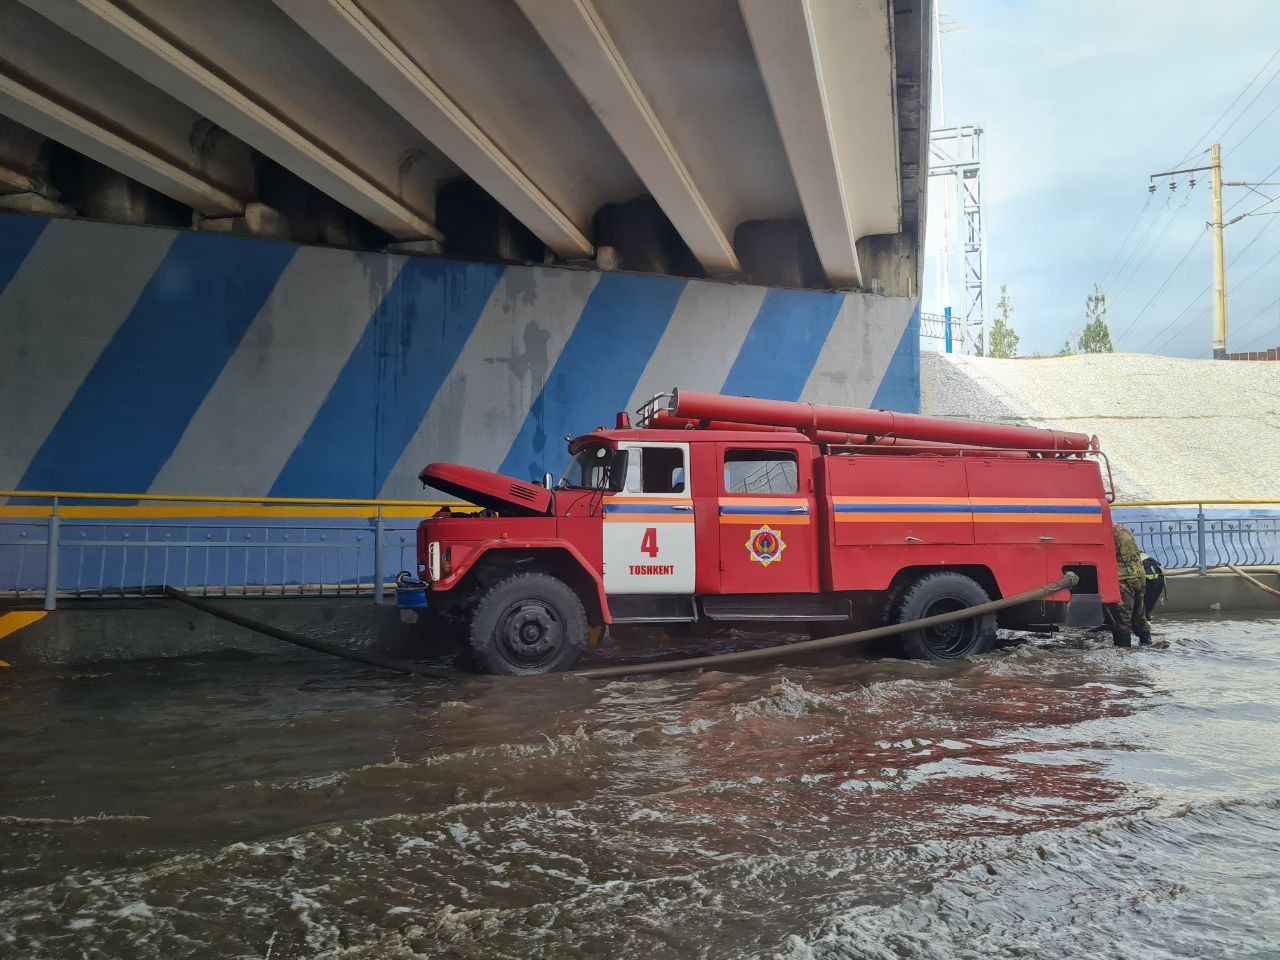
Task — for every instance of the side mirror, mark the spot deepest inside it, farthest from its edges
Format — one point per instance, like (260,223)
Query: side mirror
(547,480)
(618,472)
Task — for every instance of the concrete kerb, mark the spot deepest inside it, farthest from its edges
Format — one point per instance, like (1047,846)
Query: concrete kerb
(82,632)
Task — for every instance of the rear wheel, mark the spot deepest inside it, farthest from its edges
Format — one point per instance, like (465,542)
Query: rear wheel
(938,593)
(528,623)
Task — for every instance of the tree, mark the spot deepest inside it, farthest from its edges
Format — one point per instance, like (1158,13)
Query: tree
(1004,340)
(1096,337)
(1066,350)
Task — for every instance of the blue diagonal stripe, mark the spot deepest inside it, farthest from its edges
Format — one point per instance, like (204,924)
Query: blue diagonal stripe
(783,345)
(18,235)
(899,388)
(129,413)
(382,394)
(598,368)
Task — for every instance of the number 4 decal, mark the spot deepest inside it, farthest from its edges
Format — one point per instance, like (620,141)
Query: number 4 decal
(649,542)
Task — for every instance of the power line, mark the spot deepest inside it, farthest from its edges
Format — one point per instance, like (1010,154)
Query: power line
(1258,124)
(1172,273)
(1152,246)
(1209,286)
(1078,328)
(1266,332)
(1177,335)
(1125,242)
(1254,211)
(1204,136)
(1205,312)
(1241,199)
(1261,313)
(1123,270)
(1239,116)
(1181,313)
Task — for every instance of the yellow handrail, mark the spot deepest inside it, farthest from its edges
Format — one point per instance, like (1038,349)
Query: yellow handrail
(190,498)
(435,504)
(1187,503)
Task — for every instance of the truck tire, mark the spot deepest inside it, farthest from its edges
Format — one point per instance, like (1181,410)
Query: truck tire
(528,623)
(943,592)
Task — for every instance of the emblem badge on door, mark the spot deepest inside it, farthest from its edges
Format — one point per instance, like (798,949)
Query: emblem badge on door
(765,545)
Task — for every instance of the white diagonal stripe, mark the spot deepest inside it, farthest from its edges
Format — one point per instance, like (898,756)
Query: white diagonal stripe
(858,350)
(702,340)
(482,404)
(268,393)
(70,296)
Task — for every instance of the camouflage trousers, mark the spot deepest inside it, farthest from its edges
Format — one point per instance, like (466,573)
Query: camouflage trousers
(1129,616)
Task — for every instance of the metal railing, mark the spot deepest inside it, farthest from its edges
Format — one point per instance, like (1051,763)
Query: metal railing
(52,546)
(1203,541)
(942,332)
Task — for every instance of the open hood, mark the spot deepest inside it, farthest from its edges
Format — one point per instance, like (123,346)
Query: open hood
(487,489)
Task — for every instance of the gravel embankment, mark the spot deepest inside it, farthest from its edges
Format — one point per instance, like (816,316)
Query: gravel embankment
(1173,429)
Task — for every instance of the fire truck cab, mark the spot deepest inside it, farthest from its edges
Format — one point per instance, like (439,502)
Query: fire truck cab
(720,509)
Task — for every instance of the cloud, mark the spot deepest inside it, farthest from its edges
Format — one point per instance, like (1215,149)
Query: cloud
(1079,103)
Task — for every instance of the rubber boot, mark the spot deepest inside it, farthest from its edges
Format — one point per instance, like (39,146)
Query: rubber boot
(1122,639)
(1144,639)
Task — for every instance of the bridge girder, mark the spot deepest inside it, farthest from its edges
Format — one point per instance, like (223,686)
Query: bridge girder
(781,115)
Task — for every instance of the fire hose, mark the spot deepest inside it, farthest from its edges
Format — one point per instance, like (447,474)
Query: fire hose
(829,643)
(298,639)
(1254,580)
(639,669)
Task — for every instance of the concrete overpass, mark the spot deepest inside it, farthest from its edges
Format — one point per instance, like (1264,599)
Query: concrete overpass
(301,248)
(775,141)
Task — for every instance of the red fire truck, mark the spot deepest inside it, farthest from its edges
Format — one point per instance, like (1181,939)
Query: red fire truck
(736,510)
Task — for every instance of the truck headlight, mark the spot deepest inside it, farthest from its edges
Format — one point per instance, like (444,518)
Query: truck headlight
(433,560)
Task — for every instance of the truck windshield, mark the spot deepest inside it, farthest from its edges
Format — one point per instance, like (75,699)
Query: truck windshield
(590,468)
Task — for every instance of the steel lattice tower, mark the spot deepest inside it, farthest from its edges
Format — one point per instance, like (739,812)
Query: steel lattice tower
(957,152)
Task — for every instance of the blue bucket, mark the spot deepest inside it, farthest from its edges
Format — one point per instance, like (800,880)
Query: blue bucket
(411,593)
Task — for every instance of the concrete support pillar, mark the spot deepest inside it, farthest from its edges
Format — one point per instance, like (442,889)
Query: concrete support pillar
(779,253)
(476,225)
(258,220)
(25,185)
(108,195)
(24,163)
(37,203)
(643,239)
(889,263)
(421,248)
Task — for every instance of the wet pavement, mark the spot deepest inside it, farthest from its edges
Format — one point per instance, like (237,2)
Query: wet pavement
(1051,800)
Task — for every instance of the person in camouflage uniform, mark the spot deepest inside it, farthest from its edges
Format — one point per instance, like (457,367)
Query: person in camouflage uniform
(1129,616)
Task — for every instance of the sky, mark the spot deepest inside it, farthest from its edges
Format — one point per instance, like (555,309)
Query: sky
(1079,102)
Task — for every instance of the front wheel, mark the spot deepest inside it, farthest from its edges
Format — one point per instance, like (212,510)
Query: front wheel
(938,593)
(528,623)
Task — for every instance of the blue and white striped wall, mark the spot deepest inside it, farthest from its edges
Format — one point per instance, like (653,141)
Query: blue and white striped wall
(136,359)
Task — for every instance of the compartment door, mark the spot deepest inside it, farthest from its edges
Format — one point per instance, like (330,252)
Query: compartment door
(899,500)
(768,522)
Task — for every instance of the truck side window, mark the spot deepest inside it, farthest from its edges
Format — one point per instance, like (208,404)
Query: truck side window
(761,471)
(655,470)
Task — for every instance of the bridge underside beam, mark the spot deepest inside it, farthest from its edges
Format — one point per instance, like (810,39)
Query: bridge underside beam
(82,133)
(368,49)
(63,89)
(581,41)
(829,70)
(271,97)
(777,141)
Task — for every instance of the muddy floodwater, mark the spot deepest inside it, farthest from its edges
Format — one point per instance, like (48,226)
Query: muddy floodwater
(1047,800)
